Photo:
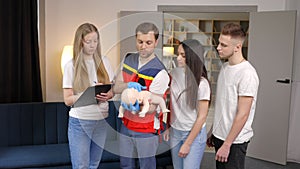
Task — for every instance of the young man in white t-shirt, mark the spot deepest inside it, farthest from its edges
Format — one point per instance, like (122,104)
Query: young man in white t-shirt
(236,97)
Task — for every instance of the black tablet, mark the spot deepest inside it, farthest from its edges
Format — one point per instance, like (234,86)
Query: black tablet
(104,88)
(88,97)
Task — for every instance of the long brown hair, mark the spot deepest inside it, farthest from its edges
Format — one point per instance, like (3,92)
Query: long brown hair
(81,78)
(195,70)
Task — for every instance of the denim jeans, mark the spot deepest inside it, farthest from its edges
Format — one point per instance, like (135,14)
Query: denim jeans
(86,142)
(137,145)
(194,157)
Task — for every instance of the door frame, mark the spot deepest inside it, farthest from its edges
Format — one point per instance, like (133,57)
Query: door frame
(204,9)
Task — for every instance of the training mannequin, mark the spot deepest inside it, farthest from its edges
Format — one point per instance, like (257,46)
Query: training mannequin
(133,96)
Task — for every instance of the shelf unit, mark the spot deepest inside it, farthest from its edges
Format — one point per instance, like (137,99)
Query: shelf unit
(205,27)
(206,31)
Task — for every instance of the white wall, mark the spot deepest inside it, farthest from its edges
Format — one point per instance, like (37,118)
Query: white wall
(62,17)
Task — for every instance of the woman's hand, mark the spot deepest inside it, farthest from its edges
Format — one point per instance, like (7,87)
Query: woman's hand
(102,97)
(184,150)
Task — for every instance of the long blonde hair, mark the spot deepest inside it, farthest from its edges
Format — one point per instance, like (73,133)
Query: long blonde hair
(81,78)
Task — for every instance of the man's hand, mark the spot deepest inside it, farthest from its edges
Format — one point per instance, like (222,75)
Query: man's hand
(136,86)
(223,153)
(130,107)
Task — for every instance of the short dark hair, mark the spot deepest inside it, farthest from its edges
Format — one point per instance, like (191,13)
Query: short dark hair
(147,27)
(234,30)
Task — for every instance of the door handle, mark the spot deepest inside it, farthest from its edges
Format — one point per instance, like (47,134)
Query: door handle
(287,81)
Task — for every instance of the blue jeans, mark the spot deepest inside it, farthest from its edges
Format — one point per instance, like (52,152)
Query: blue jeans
(86,142)
(193,159)
(137,145)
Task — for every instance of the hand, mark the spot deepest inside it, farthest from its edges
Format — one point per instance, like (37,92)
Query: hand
(130,107)
(223,153)
(135,107)
(102,97)
(184,150)
(136,86)
(166,135)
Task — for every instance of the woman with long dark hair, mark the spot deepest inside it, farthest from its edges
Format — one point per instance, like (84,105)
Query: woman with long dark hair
(190,98)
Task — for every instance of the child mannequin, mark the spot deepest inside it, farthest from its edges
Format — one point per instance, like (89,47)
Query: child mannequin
(131,96)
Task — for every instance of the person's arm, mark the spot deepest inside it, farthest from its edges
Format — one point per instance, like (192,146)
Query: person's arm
(69,97)
(111,75)
(158,87)
(244,106)
(119,85)
(201,119)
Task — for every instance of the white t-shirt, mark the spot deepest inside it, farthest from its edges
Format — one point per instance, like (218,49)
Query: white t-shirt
(91,112)
(234,81)
(182,117)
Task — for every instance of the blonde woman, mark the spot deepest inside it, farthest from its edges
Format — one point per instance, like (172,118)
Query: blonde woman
(87,127)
